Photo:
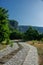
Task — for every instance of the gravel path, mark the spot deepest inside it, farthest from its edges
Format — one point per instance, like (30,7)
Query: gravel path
(27,55)
(32,57)
(8,50)
(19,58)
(7,57)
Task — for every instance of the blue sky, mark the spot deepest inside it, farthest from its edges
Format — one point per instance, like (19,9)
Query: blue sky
(26,12)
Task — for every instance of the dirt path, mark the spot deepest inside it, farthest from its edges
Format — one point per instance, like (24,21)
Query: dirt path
(32,57)
(5,58)
(24,55)
(19,58)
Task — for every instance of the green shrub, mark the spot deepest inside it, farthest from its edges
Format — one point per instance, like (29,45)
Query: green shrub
(33,42)
(31,34)
(42,39)
(4,28)
(11,44)
(7,42)
(16,35)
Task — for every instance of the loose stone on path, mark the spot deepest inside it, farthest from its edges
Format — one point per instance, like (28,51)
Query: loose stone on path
(27,55)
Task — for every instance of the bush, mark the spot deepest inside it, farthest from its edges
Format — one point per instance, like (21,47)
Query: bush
(16,35)
(42,39)
(31,34)
(4,28)
(11,44)
(7,42)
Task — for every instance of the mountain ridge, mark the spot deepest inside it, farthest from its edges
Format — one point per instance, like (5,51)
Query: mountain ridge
(24,28)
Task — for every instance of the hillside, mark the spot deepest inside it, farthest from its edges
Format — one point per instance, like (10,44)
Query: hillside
(24,28)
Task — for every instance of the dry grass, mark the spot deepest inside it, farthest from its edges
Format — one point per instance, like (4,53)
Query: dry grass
(39,46)
(2,46)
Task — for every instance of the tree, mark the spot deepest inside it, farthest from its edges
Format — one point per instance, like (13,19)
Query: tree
(16,35)
(31,34)
(40,36)
(4,29)
(13,24)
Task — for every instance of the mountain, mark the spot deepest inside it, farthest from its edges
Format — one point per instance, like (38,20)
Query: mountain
(25,28)
(22,28)
(13,24)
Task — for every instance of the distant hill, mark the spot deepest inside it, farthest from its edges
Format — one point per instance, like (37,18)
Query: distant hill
(13,24)
(22,28)
(25,28)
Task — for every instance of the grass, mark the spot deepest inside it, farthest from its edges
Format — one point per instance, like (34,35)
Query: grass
(39,46)
(2,46)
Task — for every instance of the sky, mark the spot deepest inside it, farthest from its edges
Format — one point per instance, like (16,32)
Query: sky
(26,12)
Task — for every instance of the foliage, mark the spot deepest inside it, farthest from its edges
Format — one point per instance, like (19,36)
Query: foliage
(6,25)
(33,42)
(31,34)
(4,29)
(13,24)
(16,35)
(7,42)
(42,39)
(40,36)
(11,45)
